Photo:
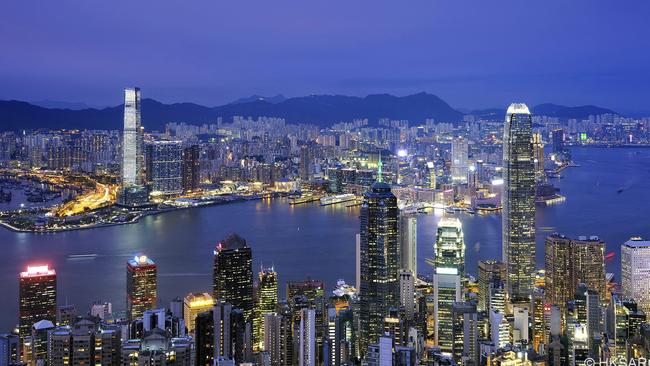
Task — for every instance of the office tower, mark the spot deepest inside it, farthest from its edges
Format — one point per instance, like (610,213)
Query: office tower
(66,314)
(37,294)
(9,349)
(307,338)
(407,292)
(569,262)
(557,141)
(266,302)
(194,304)
(357,282)
(164,160)
(395,326)
(499,328)
(40,333)
(459,160)
(141,286)
(635,272)
(405,356)
(538,155)
(488,271)
(191,168)
(408,234)
(132,154)
(624,322)
(518,202)
(221,333)
(380,259)
(305,163)
(449,248)
(307,294)
(465,333)
(520,333)
(446,291)
(233,274)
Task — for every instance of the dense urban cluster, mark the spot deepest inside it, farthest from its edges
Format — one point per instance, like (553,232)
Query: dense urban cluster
(510,313)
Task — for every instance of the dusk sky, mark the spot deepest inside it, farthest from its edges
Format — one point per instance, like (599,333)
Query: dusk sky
(473,54)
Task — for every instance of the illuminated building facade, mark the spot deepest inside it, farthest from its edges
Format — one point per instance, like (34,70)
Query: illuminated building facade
(635,272)
(518,202)
(449,248)
(459,160)
(380,260)
(164,167)
(538,154)
(408,236)
(141,286)
(488,271)
(132,154)
(267,300)
(194,304)
(233,274)
(191,168)
(446,291)
(37,294)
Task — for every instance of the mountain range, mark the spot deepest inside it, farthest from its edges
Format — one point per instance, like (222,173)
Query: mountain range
(321,110)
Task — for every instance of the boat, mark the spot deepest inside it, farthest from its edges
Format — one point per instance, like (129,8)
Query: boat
(331,200)
(620,190)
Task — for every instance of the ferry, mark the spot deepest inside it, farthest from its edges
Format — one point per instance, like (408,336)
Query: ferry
(331,200)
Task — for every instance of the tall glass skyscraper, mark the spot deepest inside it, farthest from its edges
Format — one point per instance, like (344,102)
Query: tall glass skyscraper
(141,286)
(449,249)
(518,201)
(459,160)
(635,271)
(132,154)
(164,167)
(233,274)
(380,260)
(37,293)
(267,300)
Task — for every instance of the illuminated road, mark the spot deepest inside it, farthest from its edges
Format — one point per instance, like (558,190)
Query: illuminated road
(103,195)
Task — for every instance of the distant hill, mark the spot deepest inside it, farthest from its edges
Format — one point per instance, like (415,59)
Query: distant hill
(253,98)
(547,109)
(322,110)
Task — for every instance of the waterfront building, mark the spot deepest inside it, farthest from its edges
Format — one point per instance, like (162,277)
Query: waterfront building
(37,297)
(488,271)
(459,160)
(194,304)
(449,248)
(538,154)
(305,163)
(132,140)
(191,168)
(518,202)
(635,272)
(141,286)
(408,233)
(266,303)
(307,338)
(569,262)
(164,160)
(380,259)
(233,274)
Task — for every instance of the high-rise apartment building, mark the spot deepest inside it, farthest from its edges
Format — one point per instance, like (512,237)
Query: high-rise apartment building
(141,286)
(635,272)
(191,168)
(518,202)
(380,260)
(37,297)
(233,274)
(164,160)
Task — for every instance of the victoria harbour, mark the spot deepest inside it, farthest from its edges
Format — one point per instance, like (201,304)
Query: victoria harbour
(301,241)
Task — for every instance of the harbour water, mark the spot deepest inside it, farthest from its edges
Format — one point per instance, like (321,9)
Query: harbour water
(311,240)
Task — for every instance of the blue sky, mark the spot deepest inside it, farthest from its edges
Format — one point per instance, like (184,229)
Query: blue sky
(473,54)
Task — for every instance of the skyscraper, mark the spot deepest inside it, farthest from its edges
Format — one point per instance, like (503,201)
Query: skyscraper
(446,291)
(164,167)
(267,300)
(380,260)
(191,168)
(408,234)
(518,201)
(305,163)
(488,271)
(141,286)
(132,154)
(635,272)
(465,350)
(233,274)
(538,154)
(449,248)
(37,294)
(194,304)
(569,262)
(407,292)
(459,160)
(307,340)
